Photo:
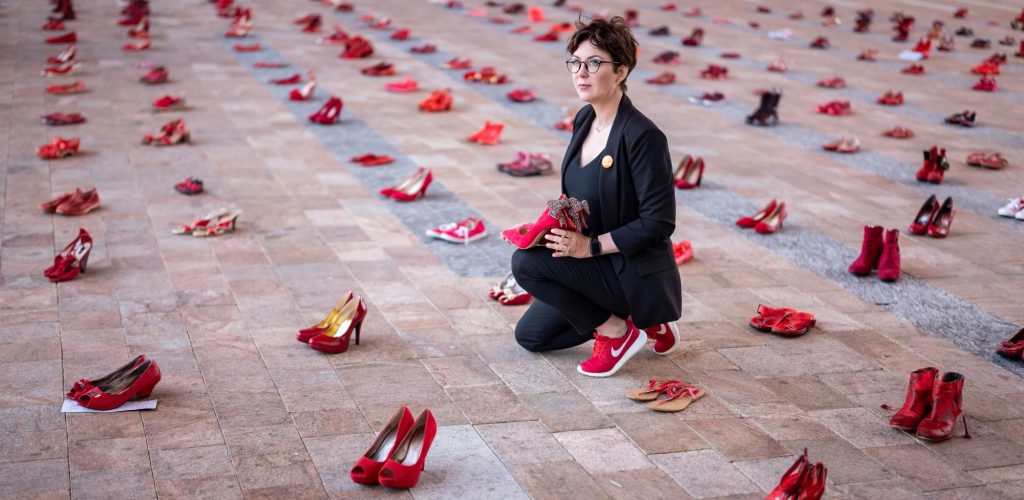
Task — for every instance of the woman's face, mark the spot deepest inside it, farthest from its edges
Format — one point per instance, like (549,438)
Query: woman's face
(599,86)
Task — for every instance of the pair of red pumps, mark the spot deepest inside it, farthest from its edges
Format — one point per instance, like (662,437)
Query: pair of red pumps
(934,219)
(803,481)
(786,322)
(411,189)
(332,335)
(564,213)
(934,167)
(766,221)
(509,293)
(880,250)
(72,260)
(932,405)
(489,135)
(135,380)
(328,114)
(398,455)
(689,172)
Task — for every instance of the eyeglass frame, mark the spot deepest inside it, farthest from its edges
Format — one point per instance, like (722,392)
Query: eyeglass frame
(586,63)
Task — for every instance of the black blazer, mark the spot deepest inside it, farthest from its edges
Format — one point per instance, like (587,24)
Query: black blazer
(638,206)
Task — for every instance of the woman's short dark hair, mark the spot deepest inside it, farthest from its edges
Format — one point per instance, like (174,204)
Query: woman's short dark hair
(612,36)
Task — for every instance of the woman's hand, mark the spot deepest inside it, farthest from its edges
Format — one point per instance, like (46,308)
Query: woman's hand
(568,244)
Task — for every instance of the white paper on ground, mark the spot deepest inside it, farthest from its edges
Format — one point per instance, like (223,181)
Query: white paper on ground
(73,407)
(910,55)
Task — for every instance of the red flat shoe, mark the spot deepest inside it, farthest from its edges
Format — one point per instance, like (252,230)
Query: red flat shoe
(753,220)
(550,36)
(137,47)
(252,47)
(986,84)
(488,135)
(68,264)
(368,467)
(924,216)
(53,25)
(439,101)
(869,55)
(665,78)
(296,78)
(67,55)
(844,145)
(995,161)
(169,103)
(357,48)
(833,83)
(820,43)
(564,213)
(84,385)
(402,469)
(269,64)
(80,203)
(767,317)
(778,66)
(899,133)
(404,86)
(427,48)
(683,252)
(171,133)
(715,72)
(457,63)
(486,74)
(913,69)
(522,95)
(794,325)
(189,186)
(372,160)
(773,221)
(379,69)
(413,188)
(155,76)
(329,113)
(400,35)
(1012,348)
(65,38)
(836,108)
(335,338)
(51,206)
(59,148)
(57,119)
(307,333)
(938,226)
(138,383)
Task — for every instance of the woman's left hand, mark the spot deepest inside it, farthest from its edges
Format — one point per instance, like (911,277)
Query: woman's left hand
(568,244)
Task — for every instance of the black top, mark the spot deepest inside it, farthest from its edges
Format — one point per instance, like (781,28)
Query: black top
(582,183)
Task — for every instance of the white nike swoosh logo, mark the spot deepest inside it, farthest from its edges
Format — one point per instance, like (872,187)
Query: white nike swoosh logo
(661,330)
(623,346)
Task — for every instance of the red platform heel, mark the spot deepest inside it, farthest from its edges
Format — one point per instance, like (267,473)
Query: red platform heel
(564,213)
(368,467)
(947,405)
(307,333)
(335,338)
(84,385)
(918,401)
(139,383)
(404,466)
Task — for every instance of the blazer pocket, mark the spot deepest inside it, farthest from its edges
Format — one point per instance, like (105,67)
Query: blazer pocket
(654,263)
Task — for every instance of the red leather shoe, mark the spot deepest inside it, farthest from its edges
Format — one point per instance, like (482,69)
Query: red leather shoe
(53,25)
(403,467)
(891,98)
(772,222)
(683,252)
(141,30)
(753,220)
(137,47)
(329,113)
(918,401)
(820,43)
(189,186)
(337,37)
(792,480)
(72,260)
(913,69)
(986,68)
(522,95)
(335,339)
(304,93)
(668,57)
(870,251)
(290,80)
(457,63)
(51,206)
(665,78)
(1012,348)
(489,135)
(487,75)
(563,213)
(691,175)
(79,203)
(940,223)
(928,166)
(940,166)
(313,25)
(59,148)
(832,83)
(767,317)
(995,161)
(58,119)
(795,324)
(986,84)
(372,160)
(715,72)
(836,108)
(379,69)
(63,69)
(440,100)
(695,38)
(65,38)
(67,55)
(813,486)
(169,103)
(368,467)
(404,86)
(899,133)
(155,76)
(138,383)
(84,385)
(307,333)
(925,216)
(889,261)
(400,35)
(357,48)
(171,133)
(947,405)
(413,188)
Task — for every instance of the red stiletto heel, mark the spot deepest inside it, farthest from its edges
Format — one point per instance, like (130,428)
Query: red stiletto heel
(773,221)
(692,175)
(404,466)
(139,383)
(753,220)
(329,113)
(307,333)
(413,188)
(67,55)
(368,467)
(335,338)
(924,216)
(938,226)
(563,213)
(306,91)
(791,481)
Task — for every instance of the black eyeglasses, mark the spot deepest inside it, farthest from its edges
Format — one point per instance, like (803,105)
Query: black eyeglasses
(593,65)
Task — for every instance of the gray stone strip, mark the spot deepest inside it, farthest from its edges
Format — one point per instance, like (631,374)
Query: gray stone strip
(353,137)
(925,306)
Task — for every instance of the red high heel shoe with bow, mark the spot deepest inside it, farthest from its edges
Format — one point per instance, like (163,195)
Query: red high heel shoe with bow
(563,213)
(404,466)
(84,385)
(137,384)
(367,468)
(72,260)
(335,338)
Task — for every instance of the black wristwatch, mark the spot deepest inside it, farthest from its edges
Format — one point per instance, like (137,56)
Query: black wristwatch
(595,246)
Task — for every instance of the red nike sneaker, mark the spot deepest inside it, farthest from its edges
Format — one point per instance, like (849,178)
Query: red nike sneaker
(609,355)
(665,336)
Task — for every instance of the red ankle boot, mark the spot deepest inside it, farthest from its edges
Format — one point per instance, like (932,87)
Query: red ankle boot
(929,164)
(947,404)
(918,402)
(870,251)
(941,166)
(889,262)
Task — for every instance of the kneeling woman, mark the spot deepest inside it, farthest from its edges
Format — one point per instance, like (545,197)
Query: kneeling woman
(617,277)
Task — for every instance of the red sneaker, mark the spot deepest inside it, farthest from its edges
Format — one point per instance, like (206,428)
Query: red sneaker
(609,355)
(463,231)
(665,336)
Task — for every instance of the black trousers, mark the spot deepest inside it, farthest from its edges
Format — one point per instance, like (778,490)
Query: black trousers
(572,297)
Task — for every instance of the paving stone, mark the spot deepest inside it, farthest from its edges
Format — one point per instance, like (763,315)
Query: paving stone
(926,470)
(704,474)
(603,450)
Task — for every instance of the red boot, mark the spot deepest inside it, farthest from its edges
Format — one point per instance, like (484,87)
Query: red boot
(941,166)
(889,262)
(918,402)
(947,404)
(870,251)
(929,164)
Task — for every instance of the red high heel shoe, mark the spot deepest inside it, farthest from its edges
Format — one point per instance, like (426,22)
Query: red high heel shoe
(773,221)
(63,69)
(768,317)
(379,69)
(488,135)
(225,224)
(65,38)
(306,91)
(695,38)
(924,216)
(59,148)
(665,78)
(290,80)
(171,133)
(789,485)
(337,37)
(404,86)
(947,405)
(242,24)
(870,251)
(141,30)
(413,188)
(403,467)
(563,213)
(753,220)
(139,383)
(335,338)
(357,48)
(813,486)
(84,385)
(889,260)
(313,25)
(691,175)
(169,103)
(439,101)
(72,260)
(137,47)
(329,113)
(1012,348)
(938,226)
(155,76)
(918,401)
(368,467)
(307,333)
(67,55)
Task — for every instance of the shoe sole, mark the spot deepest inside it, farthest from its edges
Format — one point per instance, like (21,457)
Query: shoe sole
(675,333)
(637,346)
